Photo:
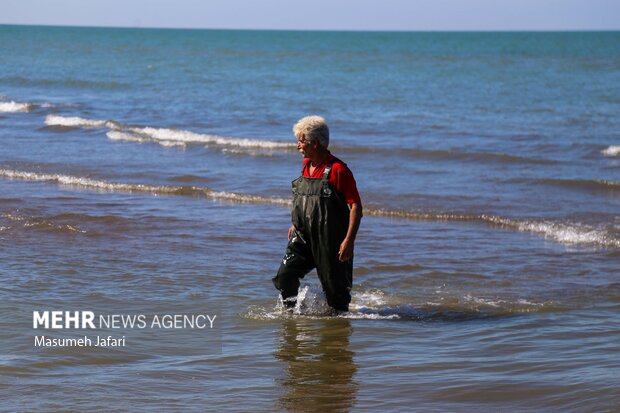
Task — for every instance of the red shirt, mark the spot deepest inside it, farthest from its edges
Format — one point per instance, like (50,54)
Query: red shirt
(341,177)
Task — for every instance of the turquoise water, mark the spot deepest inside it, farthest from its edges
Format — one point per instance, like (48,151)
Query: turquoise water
(149,171)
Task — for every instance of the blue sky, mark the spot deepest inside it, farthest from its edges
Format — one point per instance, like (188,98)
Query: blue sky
(321,14)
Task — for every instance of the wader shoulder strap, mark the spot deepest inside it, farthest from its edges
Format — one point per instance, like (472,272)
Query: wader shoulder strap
(328,169)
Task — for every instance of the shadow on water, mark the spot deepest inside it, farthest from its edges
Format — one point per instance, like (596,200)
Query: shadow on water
(319,365)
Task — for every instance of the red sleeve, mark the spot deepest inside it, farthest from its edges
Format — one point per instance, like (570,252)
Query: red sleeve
(342,178)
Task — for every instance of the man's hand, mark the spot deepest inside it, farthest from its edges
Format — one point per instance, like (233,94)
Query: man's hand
(290,231)
(345,253)
(346,250)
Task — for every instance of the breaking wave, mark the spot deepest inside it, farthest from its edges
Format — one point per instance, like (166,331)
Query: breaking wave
(163,136)
(613,150)
(573,233)
(74,121)
(102,185)
(13,107)
(259,147)
(568,233)
(122,136)
(186,137)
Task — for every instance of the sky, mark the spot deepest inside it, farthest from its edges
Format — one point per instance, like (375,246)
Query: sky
(397,15)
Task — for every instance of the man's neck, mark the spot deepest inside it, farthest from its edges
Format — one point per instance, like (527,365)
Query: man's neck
(319,158)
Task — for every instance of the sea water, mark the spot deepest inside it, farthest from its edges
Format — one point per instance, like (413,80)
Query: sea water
(149,171)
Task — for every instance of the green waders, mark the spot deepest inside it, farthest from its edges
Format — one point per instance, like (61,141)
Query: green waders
(321,219)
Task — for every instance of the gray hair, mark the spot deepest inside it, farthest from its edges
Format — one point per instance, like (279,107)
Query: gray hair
(314,128)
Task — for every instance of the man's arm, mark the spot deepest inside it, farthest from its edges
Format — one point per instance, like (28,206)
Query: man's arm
(346,247)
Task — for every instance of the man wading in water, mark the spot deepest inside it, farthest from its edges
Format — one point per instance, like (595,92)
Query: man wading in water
(327,211)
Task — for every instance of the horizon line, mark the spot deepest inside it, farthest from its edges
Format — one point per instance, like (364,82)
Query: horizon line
(315,30)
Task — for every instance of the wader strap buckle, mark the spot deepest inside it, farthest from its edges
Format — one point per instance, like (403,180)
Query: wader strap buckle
(328,169)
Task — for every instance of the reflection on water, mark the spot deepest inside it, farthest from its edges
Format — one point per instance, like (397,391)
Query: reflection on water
(320,366)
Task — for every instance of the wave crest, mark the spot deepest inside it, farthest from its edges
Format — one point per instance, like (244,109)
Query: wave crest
(13,107)
(74,121)
(569,233)
(187,137)
(103,185)
(163,136)
(613,150)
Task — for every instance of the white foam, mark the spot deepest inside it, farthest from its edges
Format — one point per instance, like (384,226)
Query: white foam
(521,305)
(170,144)
(188,137)
(116,135)
(164,136)
(84,182)
(249,152)
(248,198)
(34,222)
(311,303)
(55,120)
(571,234)
(122,136)
(88,183)
(564,233)
(15,107)
(613,150)
(523,301)
(367,300)
(368,316)
(484,301)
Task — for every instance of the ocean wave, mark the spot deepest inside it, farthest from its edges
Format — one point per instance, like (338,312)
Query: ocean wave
(41,224)
(103,185)
(93,225)
(250,152)
(613,150)
(188,137)
(568,233)
(74,121)
(164,136)
(12,107)
(169,137)
(122,136)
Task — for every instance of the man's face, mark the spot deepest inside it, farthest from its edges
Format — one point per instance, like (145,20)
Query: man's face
(304,146)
